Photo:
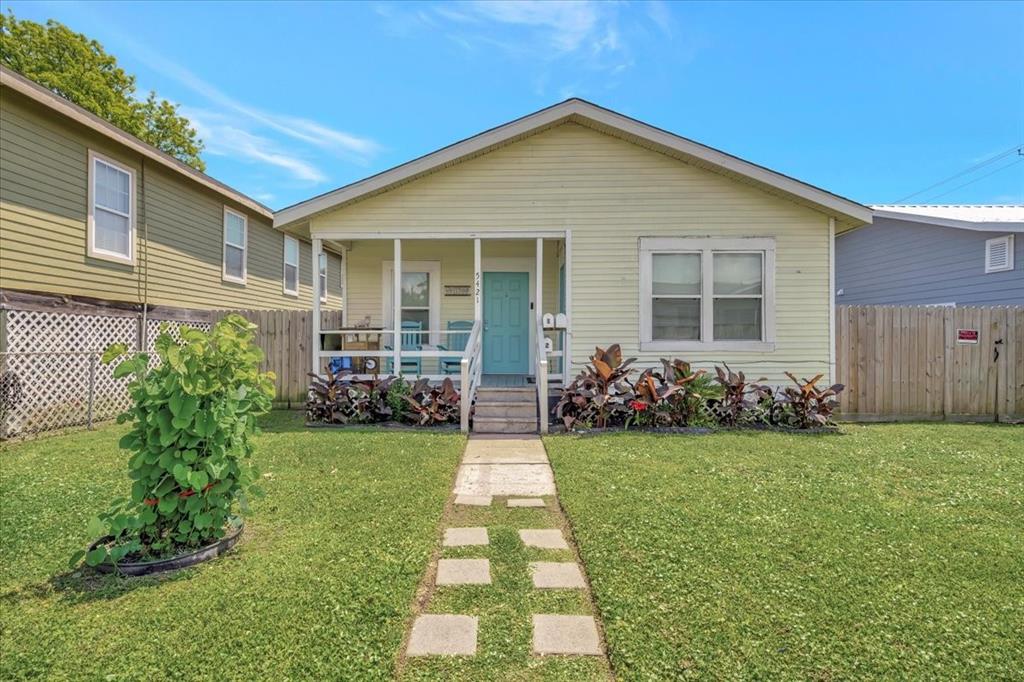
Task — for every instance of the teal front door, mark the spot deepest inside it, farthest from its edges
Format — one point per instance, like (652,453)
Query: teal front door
(506,322)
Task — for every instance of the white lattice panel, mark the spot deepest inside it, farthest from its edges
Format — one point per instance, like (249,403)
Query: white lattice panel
(50,362)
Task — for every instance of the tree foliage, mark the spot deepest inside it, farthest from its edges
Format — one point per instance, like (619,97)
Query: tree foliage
(80,70)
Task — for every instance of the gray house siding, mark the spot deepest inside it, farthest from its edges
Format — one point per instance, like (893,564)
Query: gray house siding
(905,263)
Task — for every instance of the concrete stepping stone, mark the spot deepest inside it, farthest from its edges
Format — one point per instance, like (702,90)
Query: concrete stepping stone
(473,500)
(462,537)
(509,450)
(556,575)
(463,572)
(443,635)
(548,538)
(570,635)
(505,479)
(525,502)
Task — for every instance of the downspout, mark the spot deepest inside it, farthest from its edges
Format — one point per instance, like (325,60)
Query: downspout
(831,301)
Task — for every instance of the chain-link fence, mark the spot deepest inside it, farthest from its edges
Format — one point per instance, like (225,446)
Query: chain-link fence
(51,376)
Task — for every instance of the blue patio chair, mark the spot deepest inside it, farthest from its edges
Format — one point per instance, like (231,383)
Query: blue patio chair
(453,364)
(411,339)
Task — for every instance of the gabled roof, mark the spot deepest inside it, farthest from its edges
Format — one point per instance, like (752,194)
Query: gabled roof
(978,217)
(604,120)
(56,103)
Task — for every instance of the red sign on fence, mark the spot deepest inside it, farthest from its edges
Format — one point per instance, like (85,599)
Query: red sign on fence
(967,336)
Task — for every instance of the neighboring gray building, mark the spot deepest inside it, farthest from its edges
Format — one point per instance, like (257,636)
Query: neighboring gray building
(933,255)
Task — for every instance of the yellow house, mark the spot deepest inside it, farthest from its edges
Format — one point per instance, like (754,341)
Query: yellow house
(512,254)
(91,213)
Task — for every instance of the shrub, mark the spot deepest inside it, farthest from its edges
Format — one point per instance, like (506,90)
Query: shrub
(341,399)
(808,406)
(192,419)
(677,396)
(739,397)
(601,394)
(429,405)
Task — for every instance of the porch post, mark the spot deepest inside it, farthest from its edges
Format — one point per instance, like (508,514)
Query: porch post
(317,248)
(567,334)
(478,282)
(539,283)
(396,309)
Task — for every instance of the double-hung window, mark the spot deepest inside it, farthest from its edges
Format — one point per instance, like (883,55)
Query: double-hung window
(322,279)
(707,294)
(291,266)
(420,300)
(236,228)
(111,210)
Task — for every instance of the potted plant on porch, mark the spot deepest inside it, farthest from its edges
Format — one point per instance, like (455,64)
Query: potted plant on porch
(193,415)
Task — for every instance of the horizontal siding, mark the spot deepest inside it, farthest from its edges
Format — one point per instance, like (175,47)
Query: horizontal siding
(900,262)
(610,193)
(43,196)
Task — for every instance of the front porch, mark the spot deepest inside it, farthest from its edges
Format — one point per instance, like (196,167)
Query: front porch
(482,310)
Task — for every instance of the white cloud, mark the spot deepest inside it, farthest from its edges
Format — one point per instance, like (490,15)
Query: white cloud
(223,138)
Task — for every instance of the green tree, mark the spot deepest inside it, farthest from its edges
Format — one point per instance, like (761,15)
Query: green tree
(78,69)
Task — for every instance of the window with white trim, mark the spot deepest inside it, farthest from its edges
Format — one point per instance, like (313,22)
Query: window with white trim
(236,238)
(111,210)
(707,293)
(291,265)
(421,296)
(999,254)
(323,277)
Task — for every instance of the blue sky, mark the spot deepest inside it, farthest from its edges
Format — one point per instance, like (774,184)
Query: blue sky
(871,101)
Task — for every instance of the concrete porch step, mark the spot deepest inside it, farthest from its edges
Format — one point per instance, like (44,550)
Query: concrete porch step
(504,425)
(502,395)
(506,408)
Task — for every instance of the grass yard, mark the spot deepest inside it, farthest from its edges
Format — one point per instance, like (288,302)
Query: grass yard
(319,587)
(891,551)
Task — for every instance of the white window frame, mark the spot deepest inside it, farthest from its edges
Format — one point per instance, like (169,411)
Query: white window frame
(989,243)
(707,247)
(245,248)
(285,264)
(321,280)
(91,249)
(433,269)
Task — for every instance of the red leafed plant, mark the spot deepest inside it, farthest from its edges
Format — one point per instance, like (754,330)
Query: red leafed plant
(739,397)
(601,394)
(429,405)
(808,406)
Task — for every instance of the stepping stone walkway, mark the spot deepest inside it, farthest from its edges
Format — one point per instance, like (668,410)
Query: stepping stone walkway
(515,467)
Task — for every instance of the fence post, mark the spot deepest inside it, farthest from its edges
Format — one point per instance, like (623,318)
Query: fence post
(92,385)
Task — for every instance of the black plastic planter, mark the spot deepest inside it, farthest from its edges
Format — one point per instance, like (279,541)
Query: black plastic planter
(174,563)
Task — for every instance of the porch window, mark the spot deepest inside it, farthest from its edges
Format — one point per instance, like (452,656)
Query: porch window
(705,293)
(291,265)
(236,227)
(323,277)
(421,297)
(416,298)
(111,210)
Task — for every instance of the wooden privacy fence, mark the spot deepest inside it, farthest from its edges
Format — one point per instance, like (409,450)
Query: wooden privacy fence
(285,337)
(931,362)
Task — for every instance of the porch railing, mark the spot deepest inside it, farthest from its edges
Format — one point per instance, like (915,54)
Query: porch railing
(471,367)
(542,378)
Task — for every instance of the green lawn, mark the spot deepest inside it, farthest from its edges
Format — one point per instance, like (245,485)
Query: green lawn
(319,588)
(891,551)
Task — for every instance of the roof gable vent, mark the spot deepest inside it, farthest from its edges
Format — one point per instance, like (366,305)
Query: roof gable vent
(999,254)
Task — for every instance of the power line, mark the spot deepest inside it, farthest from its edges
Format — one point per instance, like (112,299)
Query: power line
(1001,168)
(1019,149)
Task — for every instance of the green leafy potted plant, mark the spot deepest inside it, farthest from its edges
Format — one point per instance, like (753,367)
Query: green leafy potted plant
(192,420)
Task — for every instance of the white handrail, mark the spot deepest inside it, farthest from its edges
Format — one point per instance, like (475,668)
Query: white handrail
(469,368)
(542,378)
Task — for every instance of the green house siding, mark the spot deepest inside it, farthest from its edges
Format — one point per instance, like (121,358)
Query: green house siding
(179,226)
